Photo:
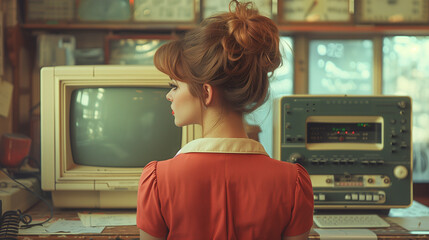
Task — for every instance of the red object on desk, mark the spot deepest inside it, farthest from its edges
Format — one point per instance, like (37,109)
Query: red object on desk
(15,147)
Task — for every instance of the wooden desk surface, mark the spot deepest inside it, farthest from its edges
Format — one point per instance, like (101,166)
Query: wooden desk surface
(40,210)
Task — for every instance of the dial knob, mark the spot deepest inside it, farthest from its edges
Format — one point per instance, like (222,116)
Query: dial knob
(296,158)
(400,172)
(402,104)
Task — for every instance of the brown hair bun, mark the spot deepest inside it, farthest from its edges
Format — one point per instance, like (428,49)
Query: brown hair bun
(234,52)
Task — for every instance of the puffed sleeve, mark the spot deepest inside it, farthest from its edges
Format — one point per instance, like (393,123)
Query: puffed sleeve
(302,212)
(149,216)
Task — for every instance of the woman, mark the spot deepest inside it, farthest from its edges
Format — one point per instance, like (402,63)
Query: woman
(224,185)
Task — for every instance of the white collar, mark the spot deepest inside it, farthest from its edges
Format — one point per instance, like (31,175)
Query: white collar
(224,145)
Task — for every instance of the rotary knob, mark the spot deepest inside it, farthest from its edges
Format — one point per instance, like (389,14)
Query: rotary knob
(296,158)
(402,104)
(400,172)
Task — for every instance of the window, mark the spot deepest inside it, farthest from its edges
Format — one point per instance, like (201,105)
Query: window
(341,66)
(281,84)
(406,72)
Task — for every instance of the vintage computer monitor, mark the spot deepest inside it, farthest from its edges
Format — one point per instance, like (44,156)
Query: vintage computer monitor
(100,125)
(357,149)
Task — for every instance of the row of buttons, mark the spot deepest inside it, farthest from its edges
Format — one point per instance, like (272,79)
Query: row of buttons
(319,197)
(339,161)
(402,145)
(403,121)
(347,102)
(299,138)
(354,197)
(364,197)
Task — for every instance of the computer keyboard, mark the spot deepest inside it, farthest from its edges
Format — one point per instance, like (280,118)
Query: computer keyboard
(349,221)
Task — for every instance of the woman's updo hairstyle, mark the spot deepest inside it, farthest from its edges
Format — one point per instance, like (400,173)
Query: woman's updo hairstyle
(235,52)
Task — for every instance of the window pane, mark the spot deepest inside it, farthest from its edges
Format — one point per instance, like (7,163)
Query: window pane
(281,84)
(340,67)
(406,72)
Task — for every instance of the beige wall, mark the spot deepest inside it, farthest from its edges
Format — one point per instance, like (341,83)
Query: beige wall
(10,19)
(9,15)
(6,122)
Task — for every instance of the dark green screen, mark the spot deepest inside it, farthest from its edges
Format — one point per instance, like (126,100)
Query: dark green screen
(122,127)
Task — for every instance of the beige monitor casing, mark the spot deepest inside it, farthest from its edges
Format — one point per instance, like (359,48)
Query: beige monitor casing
(78,186)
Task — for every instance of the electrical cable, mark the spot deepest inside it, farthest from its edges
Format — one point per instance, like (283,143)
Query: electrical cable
(25,218)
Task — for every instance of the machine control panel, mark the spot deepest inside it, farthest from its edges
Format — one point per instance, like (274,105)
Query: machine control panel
(357,149)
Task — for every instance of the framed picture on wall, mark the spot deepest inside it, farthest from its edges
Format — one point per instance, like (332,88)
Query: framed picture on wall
(210,7)
(50,11)
(163,11)
(96,11)
(315,12)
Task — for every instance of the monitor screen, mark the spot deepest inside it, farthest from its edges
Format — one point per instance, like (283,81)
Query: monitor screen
(119,126)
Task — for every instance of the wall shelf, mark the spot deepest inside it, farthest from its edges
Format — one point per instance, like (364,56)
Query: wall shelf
(110,26)
(291,29)
(358,29)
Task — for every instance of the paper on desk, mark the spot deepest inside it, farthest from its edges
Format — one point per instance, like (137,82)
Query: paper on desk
(105,219)
(412,223)
(60,226)
(349,234)
(72,226)
(415,210)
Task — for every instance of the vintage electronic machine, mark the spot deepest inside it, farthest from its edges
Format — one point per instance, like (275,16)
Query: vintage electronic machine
(357,149)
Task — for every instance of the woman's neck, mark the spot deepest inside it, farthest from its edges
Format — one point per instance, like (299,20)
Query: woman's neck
(218,124)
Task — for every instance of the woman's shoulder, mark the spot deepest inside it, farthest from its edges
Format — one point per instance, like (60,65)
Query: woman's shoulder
(149,171)
(294,170)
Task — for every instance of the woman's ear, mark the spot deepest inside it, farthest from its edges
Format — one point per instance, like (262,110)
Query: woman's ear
(208,93)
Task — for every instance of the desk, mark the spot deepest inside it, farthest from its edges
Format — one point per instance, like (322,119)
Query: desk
(40,210)
(393,232)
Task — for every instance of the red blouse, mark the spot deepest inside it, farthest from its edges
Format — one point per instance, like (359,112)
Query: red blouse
(224,189)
